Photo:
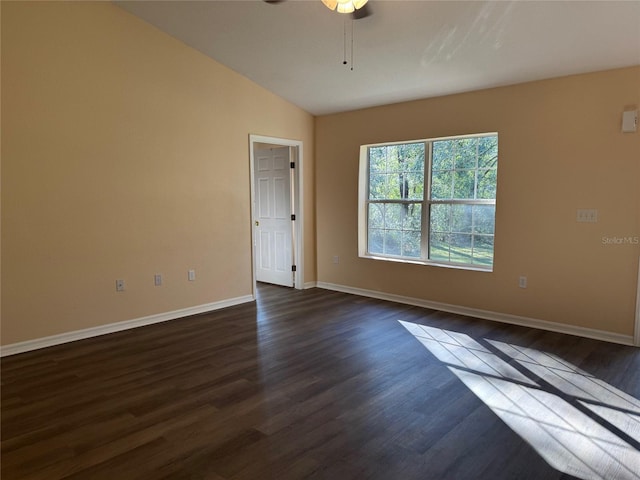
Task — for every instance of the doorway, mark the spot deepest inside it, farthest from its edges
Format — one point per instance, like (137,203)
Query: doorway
(636,337)
(276,211)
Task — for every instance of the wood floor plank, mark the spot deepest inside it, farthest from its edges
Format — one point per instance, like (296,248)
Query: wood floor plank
(309,384)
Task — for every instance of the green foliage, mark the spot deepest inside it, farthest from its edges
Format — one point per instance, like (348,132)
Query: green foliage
(396,172)
(395,229)
(447,250)
(462,169)
(462,233)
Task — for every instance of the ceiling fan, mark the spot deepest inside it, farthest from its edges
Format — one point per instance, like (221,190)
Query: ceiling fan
(357,8)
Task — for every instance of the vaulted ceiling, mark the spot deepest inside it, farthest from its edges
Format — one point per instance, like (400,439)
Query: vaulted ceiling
(405,49)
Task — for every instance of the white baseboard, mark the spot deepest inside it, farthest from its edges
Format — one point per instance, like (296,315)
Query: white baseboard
(15,348)
(486,315)
(37,343)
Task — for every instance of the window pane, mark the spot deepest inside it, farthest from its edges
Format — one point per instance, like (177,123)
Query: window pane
(395,229)
(462,233)
(412,219)
(483,249)
(392,242)
(377,186)
(460,248)
(465,156)
(439,247)
(396,186)
(487,183)
(376,240)
(396,172)
(442,155)
(484,219)
(465,152)
(463,169)
(440,218)
(393,216)
(461,218)
(464,183)
(411,157)
(488,152)
(377,160)
(412,185)
(397,158)
(441,184)
(411,244)
(392,158)
(376,215)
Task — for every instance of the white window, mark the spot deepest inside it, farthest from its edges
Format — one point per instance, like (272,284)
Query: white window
(430,201)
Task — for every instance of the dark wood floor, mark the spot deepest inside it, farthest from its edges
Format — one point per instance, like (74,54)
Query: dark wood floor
(302,384)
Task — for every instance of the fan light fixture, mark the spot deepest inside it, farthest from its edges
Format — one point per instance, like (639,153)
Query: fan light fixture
(344,6)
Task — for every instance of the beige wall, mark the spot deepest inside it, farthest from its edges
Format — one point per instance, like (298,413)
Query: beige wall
(561,149)
(125,153)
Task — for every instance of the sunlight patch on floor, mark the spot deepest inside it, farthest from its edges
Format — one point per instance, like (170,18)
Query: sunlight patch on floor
(578,434)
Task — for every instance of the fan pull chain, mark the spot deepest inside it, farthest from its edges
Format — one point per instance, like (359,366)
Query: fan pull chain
(352,31)
(344,43)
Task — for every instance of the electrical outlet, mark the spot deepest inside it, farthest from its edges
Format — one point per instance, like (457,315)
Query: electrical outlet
(336,259)
(522,282)
(191,275)
(157,279)
(119,285)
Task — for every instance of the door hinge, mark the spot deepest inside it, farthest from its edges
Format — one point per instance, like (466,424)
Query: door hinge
(292,164)
(293,268)
(293,216)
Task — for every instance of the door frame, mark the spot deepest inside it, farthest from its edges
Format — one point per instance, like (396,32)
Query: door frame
(636,339)
(297,200)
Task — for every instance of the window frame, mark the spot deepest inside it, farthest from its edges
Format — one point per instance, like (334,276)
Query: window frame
(426,203)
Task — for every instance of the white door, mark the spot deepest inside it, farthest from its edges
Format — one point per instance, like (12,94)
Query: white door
(273,222)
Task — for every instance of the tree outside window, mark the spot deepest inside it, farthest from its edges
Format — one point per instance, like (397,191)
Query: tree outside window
(431,201)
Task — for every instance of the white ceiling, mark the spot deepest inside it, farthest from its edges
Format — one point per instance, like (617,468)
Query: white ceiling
(406,49)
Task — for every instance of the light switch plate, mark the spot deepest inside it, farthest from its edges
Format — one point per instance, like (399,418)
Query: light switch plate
(630,121)
(587,215)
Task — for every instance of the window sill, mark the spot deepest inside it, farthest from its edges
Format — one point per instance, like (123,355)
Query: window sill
(431,263)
